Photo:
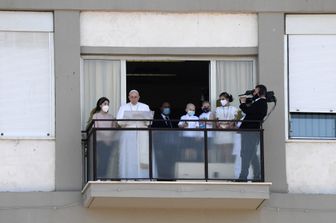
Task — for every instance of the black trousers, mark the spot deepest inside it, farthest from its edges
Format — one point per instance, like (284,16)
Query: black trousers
(248,153)
(165,153)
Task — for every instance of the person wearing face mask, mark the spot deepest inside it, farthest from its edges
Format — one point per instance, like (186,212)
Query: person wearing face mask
(255,113)
(207,114)
(162,119)
(224,139)
(226,111)
(105,150)
(190,110)
(164,144)
(190,139)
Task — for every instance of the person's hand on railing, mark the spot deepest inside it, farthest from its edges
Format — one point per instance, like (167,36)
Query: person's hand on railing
(184,125)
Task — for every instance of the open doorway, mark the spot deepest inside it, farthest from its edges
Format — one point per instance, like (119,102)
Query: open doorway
(178,82)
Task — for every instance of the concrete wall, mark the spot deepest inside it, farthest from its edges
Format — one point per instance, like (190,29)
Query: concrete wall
(66,206)
(54,207)
(27,165)
(67,73)
(68,170)
(311,167)
(289,6)
(140,29)
(271,73)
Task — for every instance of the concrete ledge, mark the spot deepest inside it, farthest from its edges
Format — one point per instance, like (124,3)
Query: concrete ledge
(300,6)
(196,51)
(180,194)
(39,200)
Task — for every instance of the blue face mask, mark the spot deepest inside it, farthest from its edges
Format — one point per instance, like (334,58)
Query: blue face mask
(191,113)
(166,111)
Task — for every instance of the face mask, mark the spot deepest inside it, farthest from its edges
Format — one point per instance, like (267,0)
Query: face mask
(223,102)
(206,109)
(166,111)
(105,108)
(191,113)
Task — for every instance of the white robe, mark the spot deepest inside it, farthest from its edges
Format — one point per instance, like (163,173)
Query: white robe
(133,154)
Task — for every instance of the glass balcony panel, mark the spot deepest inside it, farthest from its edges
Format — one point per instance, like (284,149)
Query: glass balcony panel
(122,154)
(107,150)
(228,150)
(222,154)
(178,154)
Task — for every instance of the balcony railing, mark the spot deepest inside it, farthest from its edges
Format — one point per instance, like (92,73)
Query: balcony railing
(206,154)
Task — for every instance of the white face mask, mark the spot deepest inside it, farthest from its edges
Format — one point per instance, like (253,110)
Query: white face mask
(223,102)
(105,108)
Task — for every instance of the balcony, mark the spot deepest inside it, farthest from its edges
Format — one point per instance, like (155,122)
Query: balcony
(165,168)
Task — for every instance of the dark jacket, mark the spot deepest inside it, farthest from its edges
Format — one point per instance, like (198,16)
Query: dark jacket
(254,112)
(159,122)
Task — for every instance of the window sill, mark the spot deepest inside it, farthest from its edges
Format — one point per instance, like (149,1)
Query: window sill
(303,140)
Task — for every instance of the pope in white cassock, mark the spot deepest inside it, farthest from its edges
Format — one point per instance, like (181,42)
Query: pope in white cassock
(133,155)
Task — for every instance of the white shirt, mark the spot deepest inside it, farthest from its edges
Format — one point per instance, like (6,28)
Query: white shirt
(207,116)
(191,125)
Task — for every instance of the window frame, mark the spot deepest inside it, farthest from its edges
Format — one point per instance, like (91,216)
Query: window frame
(287,105)
(124,59)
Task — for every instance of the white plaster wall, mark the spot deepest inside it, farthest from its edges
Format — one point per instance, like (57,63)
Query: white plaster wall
(149,29)
(311,24)
(26,21)
(27,165)
(311,167)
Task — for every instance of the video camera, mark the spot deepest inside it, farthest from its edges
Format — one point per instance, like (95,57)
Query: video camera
(270,97)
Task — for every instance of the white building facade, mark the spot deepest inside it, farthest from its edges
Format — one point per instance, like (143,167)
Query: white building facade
(52,62)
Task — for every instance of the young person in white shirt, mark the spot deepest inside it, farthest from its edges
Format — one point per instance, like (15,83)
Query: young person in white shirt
(191,139)
(207,114)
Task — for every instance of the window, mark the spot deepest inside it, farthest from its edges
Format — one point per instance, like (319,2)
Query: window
(101,78)
(312,125)
(26,75)
(312,81)
(111,77)
(234,77)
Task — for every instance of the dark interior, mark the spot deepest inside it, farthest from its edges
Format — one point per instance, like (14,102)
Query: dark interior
(178,82)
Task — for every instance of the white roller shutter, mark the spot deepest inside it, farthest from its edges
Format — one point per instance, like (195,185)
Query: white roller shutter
(312,73)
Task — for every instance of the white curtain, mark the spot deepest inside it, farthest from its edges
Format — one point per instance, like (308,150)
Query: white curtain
(234,77)
(101,78)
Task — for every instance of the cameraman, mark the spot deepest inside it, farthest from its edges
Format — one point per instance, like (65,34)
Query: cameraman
(255,113)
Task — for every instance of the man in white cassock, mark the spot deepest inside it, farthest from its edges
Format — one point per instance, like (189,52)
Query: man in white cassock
(133,155)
